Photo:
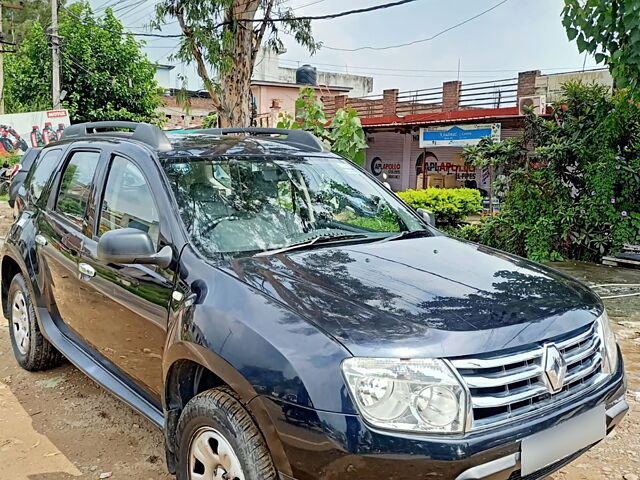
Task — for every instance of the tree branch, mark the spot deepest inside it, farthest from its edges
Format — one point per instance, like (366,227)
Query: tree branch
(259,35)
(197,54)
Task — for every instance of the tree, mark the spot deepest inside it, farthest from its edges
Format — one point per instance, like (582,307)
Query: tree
(17,23)
(344,135)
(224,37)
(610,29)
(103,71)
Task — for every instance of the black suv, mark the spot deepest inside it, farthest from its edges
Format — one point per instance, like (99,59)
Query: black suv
(280,314)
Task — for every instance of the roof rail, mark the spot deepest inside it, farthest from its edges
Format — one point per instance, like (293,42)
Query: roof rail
(142,132)
(299,137)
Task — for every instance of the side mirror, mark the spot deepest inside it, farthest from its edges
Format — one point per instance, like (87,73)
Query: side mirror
(427,216)
(131,246)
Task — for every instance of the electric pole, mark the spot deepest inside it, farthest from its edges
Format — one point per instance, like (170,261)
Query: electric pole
(55,48)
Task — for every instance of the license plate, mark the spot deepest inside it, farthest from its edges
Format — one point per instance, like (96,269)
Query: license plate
(550,446)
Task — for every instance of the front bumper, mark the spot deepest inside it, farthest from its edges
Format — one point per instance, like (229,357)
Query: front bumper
(322,445)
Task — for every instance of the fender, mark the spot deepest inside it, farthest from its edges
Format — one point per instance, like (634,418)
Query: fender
(181,350)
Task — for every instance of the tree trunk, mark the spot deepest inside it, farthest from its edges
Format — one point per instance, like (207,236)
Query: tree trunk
(235,84)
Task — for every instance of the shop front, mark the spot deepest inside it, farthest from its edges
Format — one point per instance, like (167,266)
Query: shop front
(424,156)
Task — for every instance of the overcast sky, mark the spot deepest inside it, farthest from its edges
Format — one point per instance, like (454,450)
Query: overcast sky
(516,36)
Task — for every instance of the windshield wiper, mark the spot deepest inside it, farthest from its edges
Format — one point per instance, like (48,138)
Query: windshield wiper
(405,234)
(313,241)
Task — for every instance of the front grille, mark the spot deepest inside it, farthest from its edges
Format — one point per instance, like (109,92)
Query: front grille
(507,386)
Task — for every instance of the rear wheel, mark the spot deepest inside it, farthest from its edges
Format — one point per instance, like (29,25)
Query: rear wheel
(32,351)
(218,439)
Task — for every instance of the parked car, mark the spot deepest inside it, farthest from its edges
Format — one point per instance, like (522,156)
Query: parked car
(17,180)
(280,314)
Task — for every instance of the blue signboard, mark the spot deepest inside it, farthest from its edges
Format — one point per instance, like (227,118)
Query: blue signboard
(458,135)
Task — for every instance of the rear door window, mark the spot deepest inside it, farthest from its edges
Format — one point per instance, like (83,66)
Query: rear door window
(41,172)
(75,185)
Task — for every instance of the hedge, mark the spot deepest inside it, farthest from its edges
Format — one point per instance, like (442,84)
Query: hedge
(451,206)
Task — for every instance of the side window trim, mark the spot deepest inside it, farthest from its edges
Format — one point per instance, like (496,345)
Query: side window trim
(54,189)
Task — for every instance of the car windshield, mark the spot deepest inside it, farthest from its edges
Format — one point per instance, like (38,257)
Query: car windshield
(247,205)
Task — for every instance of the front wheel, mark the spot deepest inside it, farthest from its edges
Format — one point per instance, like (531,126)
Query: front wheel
(218,439)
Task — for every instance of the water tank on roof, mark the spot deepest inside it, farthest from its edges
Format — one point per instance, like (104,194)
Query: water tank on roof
(306,75)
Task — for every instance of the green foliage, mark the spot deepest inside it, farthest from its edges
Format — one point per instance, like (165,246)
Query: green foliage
(610,30)
(17,23)
(104,72)
(451,206)
(344,135)
(575,194)
(210,121)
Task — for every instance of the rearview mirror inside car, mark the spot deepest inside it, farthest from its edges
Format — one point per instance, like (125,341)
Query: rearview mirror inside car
(131,246)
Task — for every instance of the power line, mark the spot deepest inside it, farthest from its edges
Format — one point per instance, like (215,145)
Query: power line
(389,47)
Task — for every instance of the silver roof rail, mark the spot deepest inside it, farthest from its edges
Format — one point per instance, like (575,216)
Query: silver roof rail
(142,132)
(298,137)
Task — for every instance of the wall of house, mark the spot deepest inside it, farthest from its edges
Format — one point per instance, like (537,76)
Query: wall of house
(267,68)
(551,85)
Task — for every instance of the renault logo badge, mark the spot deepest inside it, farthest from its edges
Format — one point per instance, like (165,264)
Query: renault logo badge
(555,368)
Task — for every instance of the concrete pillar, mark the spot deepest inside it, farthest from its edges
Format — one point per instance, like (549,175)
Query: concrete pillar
(407,162)
(389,102)
(451,95)
(527,83)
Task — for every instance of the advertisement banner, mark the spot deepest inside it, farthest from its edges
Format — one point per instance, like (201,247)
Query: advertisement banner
(19,131)
(458,135)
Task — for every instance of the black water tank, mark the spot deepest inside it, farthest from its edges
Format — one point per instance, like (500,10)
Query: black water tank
(306,75)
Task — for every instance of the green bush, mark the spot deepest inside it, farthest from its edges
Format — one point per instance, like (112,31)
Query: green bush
(574,191)
(451,206)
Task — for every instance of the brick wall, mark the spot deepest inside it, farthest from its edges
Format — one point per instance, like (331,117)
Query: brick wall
(527,83)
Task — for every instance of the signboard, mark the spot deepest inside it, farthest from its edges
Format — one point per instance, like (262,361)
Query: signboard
(392,169)
(458,135)
(19,131)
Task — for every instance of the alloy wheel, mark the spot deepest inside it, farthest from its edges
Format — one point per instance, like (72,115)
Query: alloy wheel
(211,457)
(20,321)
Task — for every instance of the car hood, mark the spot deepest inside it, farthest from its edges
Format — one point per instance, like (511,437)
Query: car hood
(422,297)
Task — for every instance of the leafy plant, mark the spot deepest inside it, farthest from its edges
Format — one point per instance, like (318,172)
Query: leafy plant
(574,193)
(451,206)
(609,29)
(102,69)
(344,135)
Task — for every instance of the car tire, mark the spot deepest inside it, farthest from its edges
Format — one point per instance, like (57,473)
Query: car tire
(214,425)
(32,351)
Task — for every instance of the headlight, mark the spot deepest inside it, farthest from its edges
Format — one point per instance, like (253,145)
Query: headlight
(608,345)
(420,395)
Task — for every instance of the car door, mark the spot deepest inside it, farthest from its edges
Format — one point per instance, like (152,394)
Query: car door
(127,304)
(60,228)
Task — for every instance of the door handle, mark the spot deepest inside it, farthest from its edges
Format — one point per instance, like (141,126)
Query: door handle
(40,240)
(86,270)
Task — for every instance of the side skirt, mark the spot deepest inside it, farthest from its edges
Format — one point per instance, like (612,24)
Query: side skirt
(98,372)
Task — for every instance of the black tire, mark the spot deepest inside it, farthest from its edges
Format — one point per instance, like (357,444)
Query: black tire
(39,354)
(221,410)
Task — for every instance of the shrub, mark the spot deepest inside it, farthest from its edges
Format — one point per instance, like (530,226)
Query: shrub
(451,206)
(573,193)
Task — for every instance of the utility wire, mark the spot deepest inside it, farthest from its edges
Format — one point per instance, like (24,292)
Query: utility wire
(389,47)
(259,20)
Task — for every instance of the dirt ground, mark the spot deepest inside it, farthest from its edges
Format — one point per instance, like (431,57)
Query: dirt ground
(60,425)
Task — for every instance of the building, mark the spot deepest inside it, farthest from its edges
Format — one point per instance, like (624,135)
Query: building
(274,91)
(416,138)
